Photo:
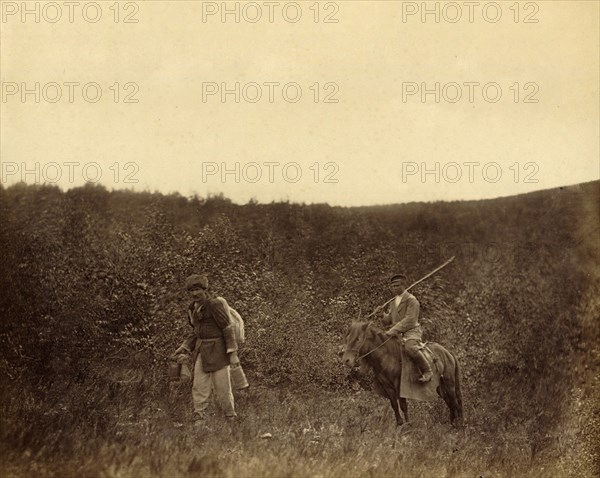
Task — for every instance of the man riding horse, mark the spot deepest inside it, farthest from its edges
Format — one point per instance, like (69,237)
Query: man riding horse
(403,314)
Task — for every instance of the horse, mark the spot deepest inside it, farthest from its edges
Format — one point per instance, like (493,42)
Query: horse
(383,354)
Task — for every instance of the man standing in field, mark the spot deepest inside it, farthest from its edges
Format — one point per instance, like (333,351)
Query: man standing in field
(403,314)
(213,348)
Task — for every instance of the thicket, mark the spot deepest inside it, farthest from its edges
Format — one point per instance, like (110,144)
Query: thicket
(92,299)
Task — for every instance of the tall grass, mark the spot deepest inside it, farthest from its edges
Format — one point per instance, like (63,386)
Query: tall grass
(280,433)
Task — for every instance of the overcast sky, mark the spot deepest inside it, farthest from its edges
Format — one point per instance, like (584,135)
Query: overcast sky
(517,106)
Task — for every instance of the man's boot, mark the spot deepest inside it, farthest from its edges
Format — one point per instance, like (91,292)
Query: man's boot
(424,367)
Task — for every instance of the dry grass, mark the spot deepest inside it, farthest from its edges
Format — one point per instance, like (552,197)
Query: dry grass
(312,436)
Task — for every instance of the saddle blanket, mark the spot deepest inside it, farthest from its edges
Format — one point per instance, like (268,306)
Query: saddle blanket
(410,387)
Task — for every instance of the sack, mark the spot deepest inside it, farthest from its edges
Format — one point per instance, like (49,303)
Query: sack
(238,377)
(238,325)
(236,321)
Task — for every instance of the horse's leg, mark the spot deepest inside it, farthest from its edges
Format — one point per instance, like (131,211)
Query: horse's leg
(439,388)
(394,402)
(449,388)
(454,393)
(388,391)
(392,394)
(449,395)
(443,392)
(443,387)
(404,407)
(458,394)
(453,405)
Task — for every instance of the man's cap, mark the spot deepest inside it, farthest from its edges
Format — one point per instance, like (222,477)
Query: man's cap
(398,278)
(196,280)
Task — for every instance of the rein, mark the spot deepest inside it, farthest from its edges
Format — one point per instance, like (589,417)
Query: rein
(357,349)
(373,350)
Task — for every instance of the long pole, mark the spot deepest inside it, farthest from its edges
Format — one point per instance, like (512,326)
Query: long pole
(412,285)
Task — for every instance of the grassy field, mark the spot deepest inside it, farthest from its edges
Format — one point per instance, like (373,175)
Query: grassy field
(310,435)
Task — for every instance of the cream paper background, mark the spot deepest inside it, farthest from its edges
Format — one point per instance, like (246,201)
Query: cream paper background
(368,134)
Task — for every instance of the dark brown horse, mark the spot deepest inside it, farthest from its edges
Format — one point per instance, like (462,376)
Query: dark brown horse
(371,345)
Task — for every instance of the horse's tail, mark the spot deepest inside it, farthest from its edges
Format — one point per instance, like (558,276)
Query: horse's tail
(457,380)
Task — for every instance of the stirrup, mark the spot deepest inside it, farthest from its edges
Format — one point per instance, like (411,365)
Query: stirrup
(426,377)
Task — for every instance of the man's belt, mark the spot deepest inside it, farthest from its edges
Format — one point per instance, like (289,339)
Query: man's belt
(412,328)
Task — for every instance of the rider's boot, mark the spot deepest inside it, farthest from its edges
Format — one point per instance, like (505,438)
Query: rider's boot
(424,367)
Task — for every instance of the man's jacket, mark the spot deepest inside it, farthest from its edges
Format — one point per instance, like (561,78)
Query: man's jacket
(404,316)
(213,337)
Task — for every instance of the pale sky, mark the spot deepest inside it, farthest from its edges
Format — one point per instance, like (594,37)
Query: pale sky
(374,141)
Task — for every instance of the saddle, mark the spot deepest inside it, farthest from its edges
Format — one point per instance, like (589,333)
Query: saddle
(410,386)
(429,356)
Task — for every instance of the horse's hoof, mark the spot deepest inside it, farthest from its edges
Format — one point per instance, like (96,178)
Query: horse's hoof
(458,424)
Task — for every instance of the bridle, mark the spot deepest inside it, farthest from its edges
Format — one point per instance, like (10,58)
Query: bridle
(357,349)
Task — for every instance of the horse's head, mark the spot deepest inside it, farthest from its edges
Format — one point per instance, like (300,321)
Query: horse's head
(355,341)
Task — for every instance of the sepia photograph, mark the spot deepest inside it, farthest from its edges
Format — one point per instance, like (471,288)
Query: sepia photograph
(300,239)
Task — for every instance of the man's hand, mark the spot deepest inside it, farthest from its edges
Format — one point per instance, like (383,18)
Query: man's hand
(379,310)
(180,350)
(233,358)
(183,359)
